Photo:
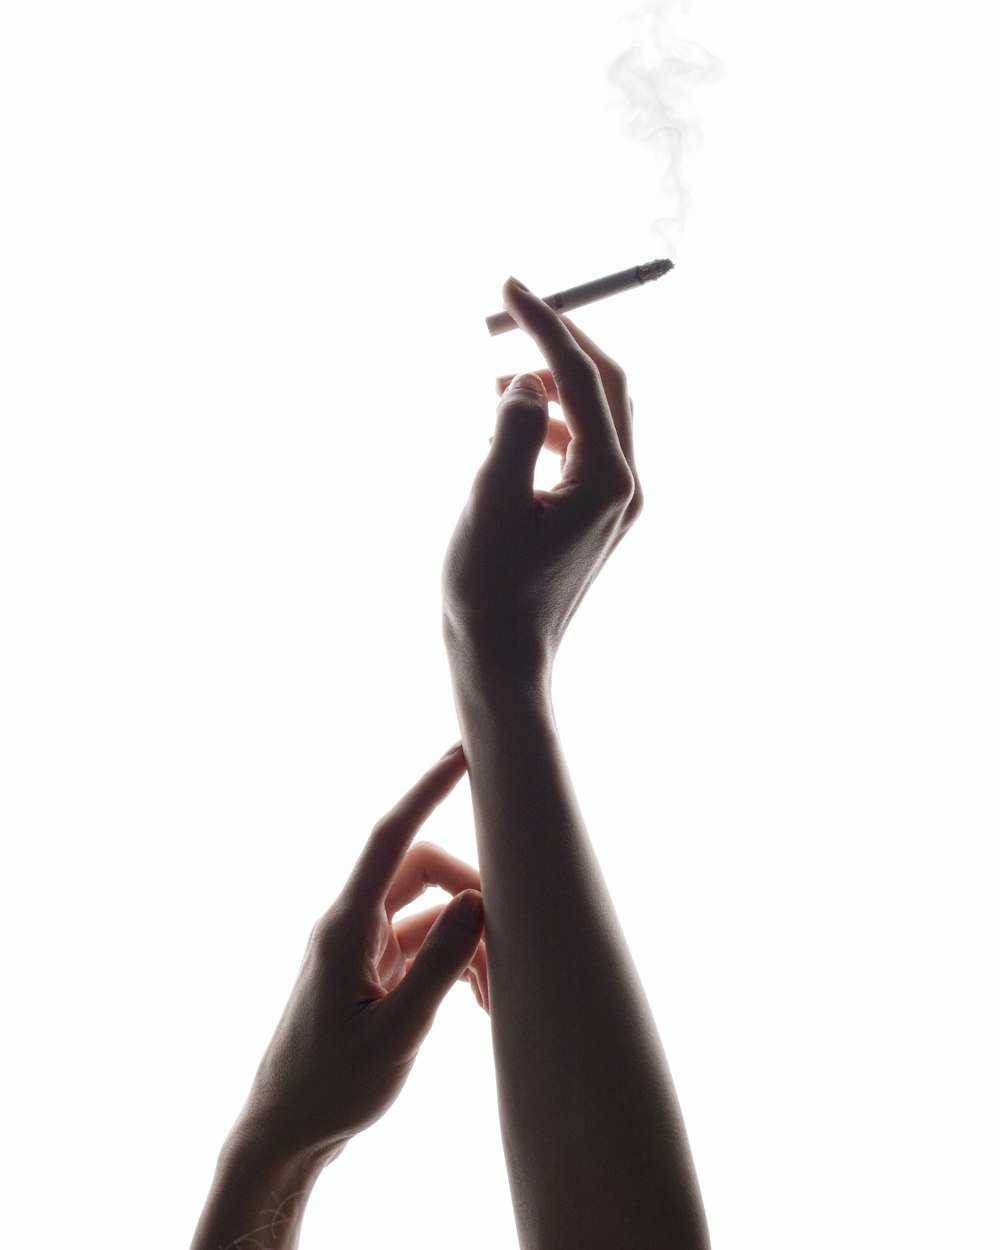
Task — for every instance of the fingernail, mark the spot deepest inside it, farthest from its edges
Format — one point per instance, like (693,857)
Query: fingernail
(516,282)
(452,750)
(470,910)
(527,382)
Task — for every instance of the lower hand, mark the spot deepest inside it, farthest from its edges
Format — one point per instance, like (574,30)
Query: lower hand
(368,989)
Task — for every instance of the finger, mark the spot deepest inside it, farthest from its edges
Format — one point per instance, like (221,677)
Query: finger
(383,853)
(478,971)
(411,930)
(615,386)
(576,376)
(476,977)
(551,394)
(425,865)
(557,436)
(446,953)
(521,430)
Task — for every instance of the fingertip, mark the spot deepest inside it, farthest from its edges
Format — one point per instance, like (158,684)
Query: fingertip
(469,910)
(454,757)
(514,292)
(527,382)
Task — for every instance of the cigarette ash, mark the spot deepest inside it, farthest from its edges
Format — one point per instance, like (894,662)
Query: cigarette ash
(656,76)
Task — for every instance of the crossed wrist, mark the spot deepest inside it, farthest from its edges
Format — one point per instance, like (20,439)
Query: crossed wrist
(257,1197)
(256,1144)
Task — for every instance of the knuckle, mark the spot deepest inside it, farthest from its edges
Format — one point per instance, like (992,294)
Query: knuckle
(323,938)
(335,935)
(621,486)
(382,827)
(636,503)
(523,398)
(420,855)
(525,394)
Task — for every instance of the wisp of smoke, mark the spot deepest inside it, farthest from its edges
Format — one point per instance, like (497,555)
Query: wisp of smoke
(657,74)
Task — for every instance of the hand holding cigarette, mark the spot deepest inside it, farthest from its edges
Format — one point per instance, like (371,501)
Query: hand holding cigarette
(521,560)
(590,292)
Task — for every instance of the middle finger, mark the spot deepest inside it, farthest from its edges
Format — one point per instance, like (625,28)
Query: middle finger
(425,865)
(615,386)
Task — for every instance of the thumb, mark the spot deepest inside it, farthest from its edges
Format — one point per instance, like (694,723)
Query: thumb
(522,422)
(444,955)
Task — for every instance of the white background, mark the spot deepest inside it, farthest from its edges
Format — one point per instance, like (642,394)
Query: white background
(245,255)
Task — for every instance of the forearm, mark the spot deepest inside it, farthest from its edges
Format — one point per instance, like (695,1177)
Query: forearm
(596,1148)
(255,1202)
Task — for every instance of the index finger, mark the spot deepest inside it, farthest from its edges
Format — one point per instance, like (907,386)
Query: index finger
(576,376)
(379,861)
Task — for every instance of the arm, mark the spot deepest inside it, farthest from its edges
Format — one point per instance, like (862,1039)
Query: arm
(596,1150)
(364,1001)
(256,1202)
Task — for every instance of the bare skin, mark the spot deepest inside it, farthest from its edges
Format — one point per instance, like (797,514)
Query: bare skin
(596,1148)
(364,1001)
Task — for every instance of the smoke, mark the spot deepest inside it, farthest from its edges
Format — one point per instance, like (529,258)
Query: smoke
(657,75)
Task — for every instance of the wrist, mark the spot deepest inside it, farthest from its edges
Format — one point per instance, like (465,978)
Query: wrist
(247,1153)
(258,1196)
(494,702)
(493,660)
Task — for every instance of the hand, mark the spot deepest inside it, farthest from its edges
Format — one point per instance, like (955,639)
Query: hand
(521,560)
(368,990)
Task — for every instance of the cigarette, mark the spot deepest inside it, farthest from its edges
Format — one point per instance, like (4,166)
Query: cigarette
(589,292)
